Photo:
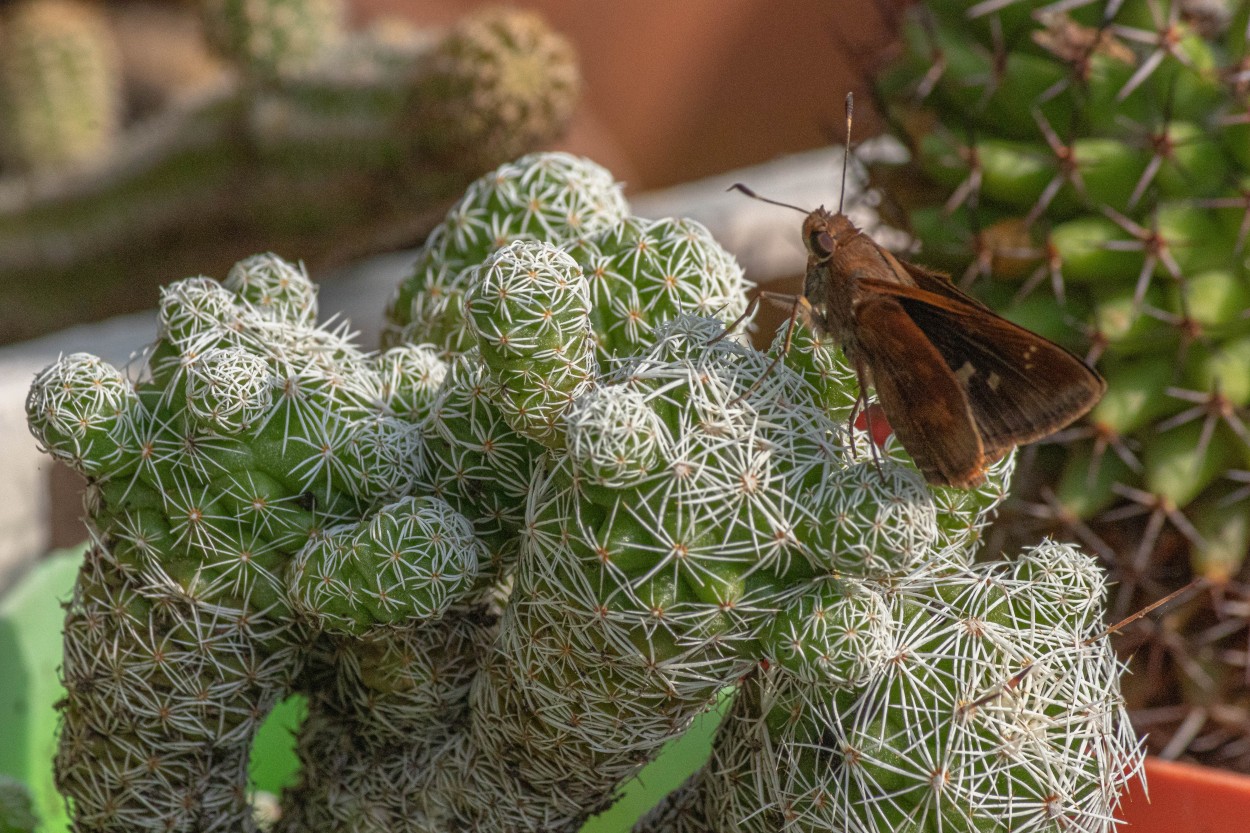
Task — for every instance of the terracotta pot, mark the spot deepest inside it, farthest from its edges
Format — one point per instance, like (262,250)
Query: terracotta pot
(1185,798)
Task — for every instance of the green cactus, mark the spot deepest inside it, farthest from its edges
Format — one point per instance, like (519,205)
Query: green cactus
(1110,139)
(530,311)
(499,84)
(251,434)
(411,560)
(273,40)
(553,197)
(494,633)
(60,85)
(987,706)
(642,272)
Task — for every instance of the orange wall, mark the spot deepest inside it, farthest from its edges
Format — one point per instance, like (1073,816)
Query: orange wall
(679,89)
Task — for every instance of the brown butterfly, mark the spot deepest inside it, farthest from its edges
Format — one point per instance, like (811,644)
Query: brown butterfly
(960,384)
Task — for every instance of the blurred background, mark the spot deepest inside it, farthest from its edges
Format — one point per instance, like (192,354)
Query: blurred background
(144,145)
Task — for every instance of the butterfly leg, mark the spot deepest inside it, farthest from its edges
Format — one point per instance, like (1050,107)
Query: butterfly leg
(861,404)
(733,325)
(781,298)
(797,302)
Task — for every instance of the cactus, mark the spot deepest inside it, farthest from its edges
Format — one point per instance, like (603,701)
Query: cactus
(495,88)
(274,39)
(250,434)
(1091,161)
(984,686)
(248,164)
(554,197)
(530,312)
(60,86)
(503,585)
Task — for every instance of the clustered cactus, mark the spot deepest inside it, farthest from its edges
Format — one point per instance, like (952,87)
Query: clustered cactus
(60,85)
(250,433)
(1091,159)
(506,567)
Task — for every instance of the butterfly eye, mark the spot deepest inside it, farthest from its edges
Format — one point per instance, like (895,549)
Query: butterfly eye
(821,244)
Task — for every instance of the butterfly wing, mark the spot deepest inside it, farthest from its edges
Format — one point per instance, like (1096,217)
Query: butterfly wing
(1020,387)
(922,399)
(939,284)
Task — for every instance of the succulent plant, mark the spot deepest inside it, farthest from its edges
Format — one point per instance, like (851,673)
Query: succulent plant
(554,197)
(250,434)
(60,85)
(272,40)
(1090,159)
(530,311)
(499,84)
(503,585)
(980,703)
(313,110)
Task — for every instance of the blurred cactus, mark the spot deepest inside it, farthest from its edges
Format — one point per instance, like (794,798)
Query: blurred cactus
(1091,161)
(500,84)
(271,40)
(503,585)
(315,147)
(60,86)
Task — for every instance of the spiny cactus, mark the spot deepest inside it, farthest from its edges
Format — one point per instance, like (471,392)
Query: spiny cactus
(1091,159)
(411,560)
(672,545)
(493,633)
(554,197)
(494,88)
(272,40)
(60,85)
(980,703)
(250,433)
(530,311)
(638,273)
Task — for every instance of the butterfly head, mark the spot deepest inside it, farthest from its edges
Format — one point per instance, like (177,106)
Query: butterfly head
(825,232)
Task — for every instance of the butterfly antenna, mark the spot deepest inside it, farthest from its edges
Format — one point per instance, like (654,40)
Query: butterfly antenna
(738,186)
(846,153)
